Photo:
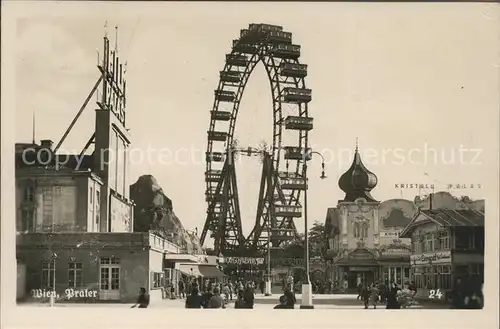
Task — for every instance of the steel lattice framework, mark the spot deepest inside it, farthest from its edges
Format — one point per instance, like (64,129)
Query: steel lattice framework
(280,187)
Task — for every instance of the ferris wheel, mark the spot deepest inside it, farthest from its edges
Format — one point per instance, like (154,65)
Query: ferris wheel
(283,172)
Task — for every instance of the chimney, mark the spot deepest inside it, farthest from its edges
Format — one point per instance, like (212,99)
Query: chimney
(46,144)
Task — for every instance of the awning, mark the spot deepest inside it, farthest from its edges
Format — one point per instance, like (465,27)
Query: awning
(190,269)
(181,258)
(204,270)
(211,271)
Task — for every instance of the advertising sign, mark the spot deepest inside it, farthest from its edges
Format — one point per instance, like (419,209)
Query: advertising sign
(390,234)
(431,258)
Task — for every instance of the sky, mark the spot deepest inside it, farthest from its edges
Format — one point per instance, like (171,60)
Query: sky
(405,79)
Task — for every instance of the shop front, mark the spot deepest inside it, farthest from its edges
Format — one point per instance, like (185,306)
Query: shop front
(432,271)
(244,268)
(359,266)
(394,261)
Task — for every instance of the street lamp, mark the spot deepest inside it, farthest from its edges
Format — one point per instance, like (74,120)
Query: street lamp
(307,287)
(53,295)
(268,277)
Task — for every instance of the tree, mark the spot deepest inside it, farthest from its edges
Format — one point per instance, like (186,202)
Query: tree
(318,243)
(317,240)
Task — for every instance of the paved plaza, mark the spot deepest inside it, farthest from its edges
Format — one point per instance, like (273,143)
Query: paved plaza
(261,302)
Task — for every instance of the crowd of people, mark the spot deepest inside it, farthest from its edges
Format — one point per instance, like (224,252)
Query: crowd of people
(217,295)
(396,296)
(393,296)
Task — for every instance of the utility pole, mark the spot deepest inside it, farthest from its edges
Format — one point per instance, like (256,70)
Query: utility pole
(306,287)
(269,276)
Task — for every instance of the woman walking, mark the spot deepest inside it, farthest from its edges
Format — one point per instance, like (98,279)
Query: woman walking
(374,292)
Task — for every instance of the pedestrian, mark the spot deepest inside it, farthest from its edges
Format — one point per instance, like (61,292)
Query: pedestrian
(374,292)
(458,295)
(230,286)
(240,301)
(360,289)
(392,299)
(194,300)
(207,295)
(365,295)
(216,300)
(182,292)
(249,296)
(262,286)
(143,299)
(290,297)
(283,304)
(225,292)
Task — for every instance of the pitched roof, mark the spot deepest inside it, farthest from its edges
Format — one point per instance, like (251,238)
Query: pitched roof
(459,217)
(447,218)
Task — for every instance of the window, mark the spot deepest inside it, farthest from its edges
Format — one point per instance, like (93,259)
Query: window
(479,239)
(435,241)
(364,230)
(27,220)
(461,238)
(356,230)
(74,275)
(110,260)
(91,195)
(157,280)
(472,240)
(104,278)
(444,240)
(360,230)
(428,242)
(443,277)
(29,194)
(418,277)
(110,273)
(47,275)
(97,206)
(115,278)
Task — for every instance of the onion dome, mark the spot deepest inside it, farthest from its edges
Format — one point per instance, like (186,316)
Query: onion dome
(358,181)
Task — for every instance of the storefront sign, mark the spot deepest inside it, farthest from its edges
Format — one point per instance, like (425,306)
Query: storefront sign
(396,251)
(431,258)
(390,234)
(244,260)
(360,269)
(360,255)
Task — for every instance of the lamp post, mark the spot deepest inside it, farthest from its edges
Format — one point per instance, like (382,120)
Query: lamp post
(268,277)
(307,287)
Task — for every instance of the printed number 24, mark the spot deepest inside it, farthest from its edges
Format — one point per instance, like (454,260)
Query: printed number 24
(435,294)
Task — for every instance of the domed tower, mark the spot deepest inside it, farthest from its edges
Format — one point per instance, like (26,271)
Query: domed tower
(358,181)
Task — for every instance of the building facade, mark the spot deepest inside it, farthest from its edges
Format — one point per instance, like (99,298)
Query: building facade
(363,233)
(74,215)
(447,245)
(365,241)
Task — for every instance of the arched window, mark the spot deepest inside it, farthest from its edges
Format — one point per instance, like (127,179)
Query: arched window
(364,230)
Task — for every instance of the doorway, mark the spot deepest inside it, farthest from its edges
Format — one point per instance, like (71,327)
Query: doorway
(109,279)
(357,276)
